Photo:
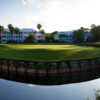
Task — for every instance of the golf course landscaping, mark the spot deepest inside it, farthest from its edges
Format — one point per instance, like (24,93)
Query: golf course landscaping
(49,63)
(48,52)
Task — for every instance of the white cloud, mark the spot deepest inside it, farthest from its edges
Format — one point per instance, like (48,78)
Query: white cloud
(28,1)
(63,14)
(24,2)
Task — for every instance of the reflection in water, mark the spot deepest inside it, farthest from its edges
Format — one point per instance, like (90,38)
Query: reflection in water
(53,73)
(57,79)
(97,94)
(19,91)
(50,73)
(58,89)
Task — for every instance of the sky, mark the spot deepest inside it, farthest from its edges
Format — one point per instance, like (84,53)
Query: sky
(54,15)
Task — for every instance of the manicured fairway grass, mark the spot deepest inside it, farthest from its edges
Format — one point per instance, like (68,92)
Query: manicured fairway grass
(48,52)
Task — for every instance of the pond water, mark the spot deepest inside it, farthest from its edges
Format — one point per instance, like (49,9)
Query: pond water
(10,90)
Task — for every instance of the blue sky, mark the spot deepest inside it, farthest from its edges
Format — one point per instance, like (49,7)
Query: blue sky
(61,15)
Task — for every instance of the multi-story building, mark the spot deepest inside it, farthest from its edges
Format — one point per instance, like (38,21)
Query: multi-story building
(68,36)
(64,36)
(21,36)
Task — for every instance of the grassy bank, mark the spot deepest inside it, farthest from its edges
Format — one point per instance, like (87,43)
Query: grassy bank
(48,52)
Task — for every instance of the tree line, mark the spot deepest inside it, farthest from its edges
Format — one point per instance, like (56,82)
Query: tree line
(92,36)
(78,35)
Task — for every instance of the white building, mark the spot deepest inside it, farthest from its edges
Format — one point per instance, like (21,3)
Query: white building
(40,36)
(64,36)
(68,36)
(21,36)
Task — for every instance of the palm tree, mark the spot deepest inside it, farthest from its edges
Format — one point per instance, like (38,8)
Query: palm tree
(11,29)
(39,26)
(1,31)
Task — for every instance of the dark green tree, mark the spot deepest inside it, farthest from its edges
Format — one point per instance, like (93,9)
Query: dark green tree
(1,31)
(30,39)
(11,29)
(42,31)
(16,29)
(95,32)
(78,35)
(55,32)
(52,35)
